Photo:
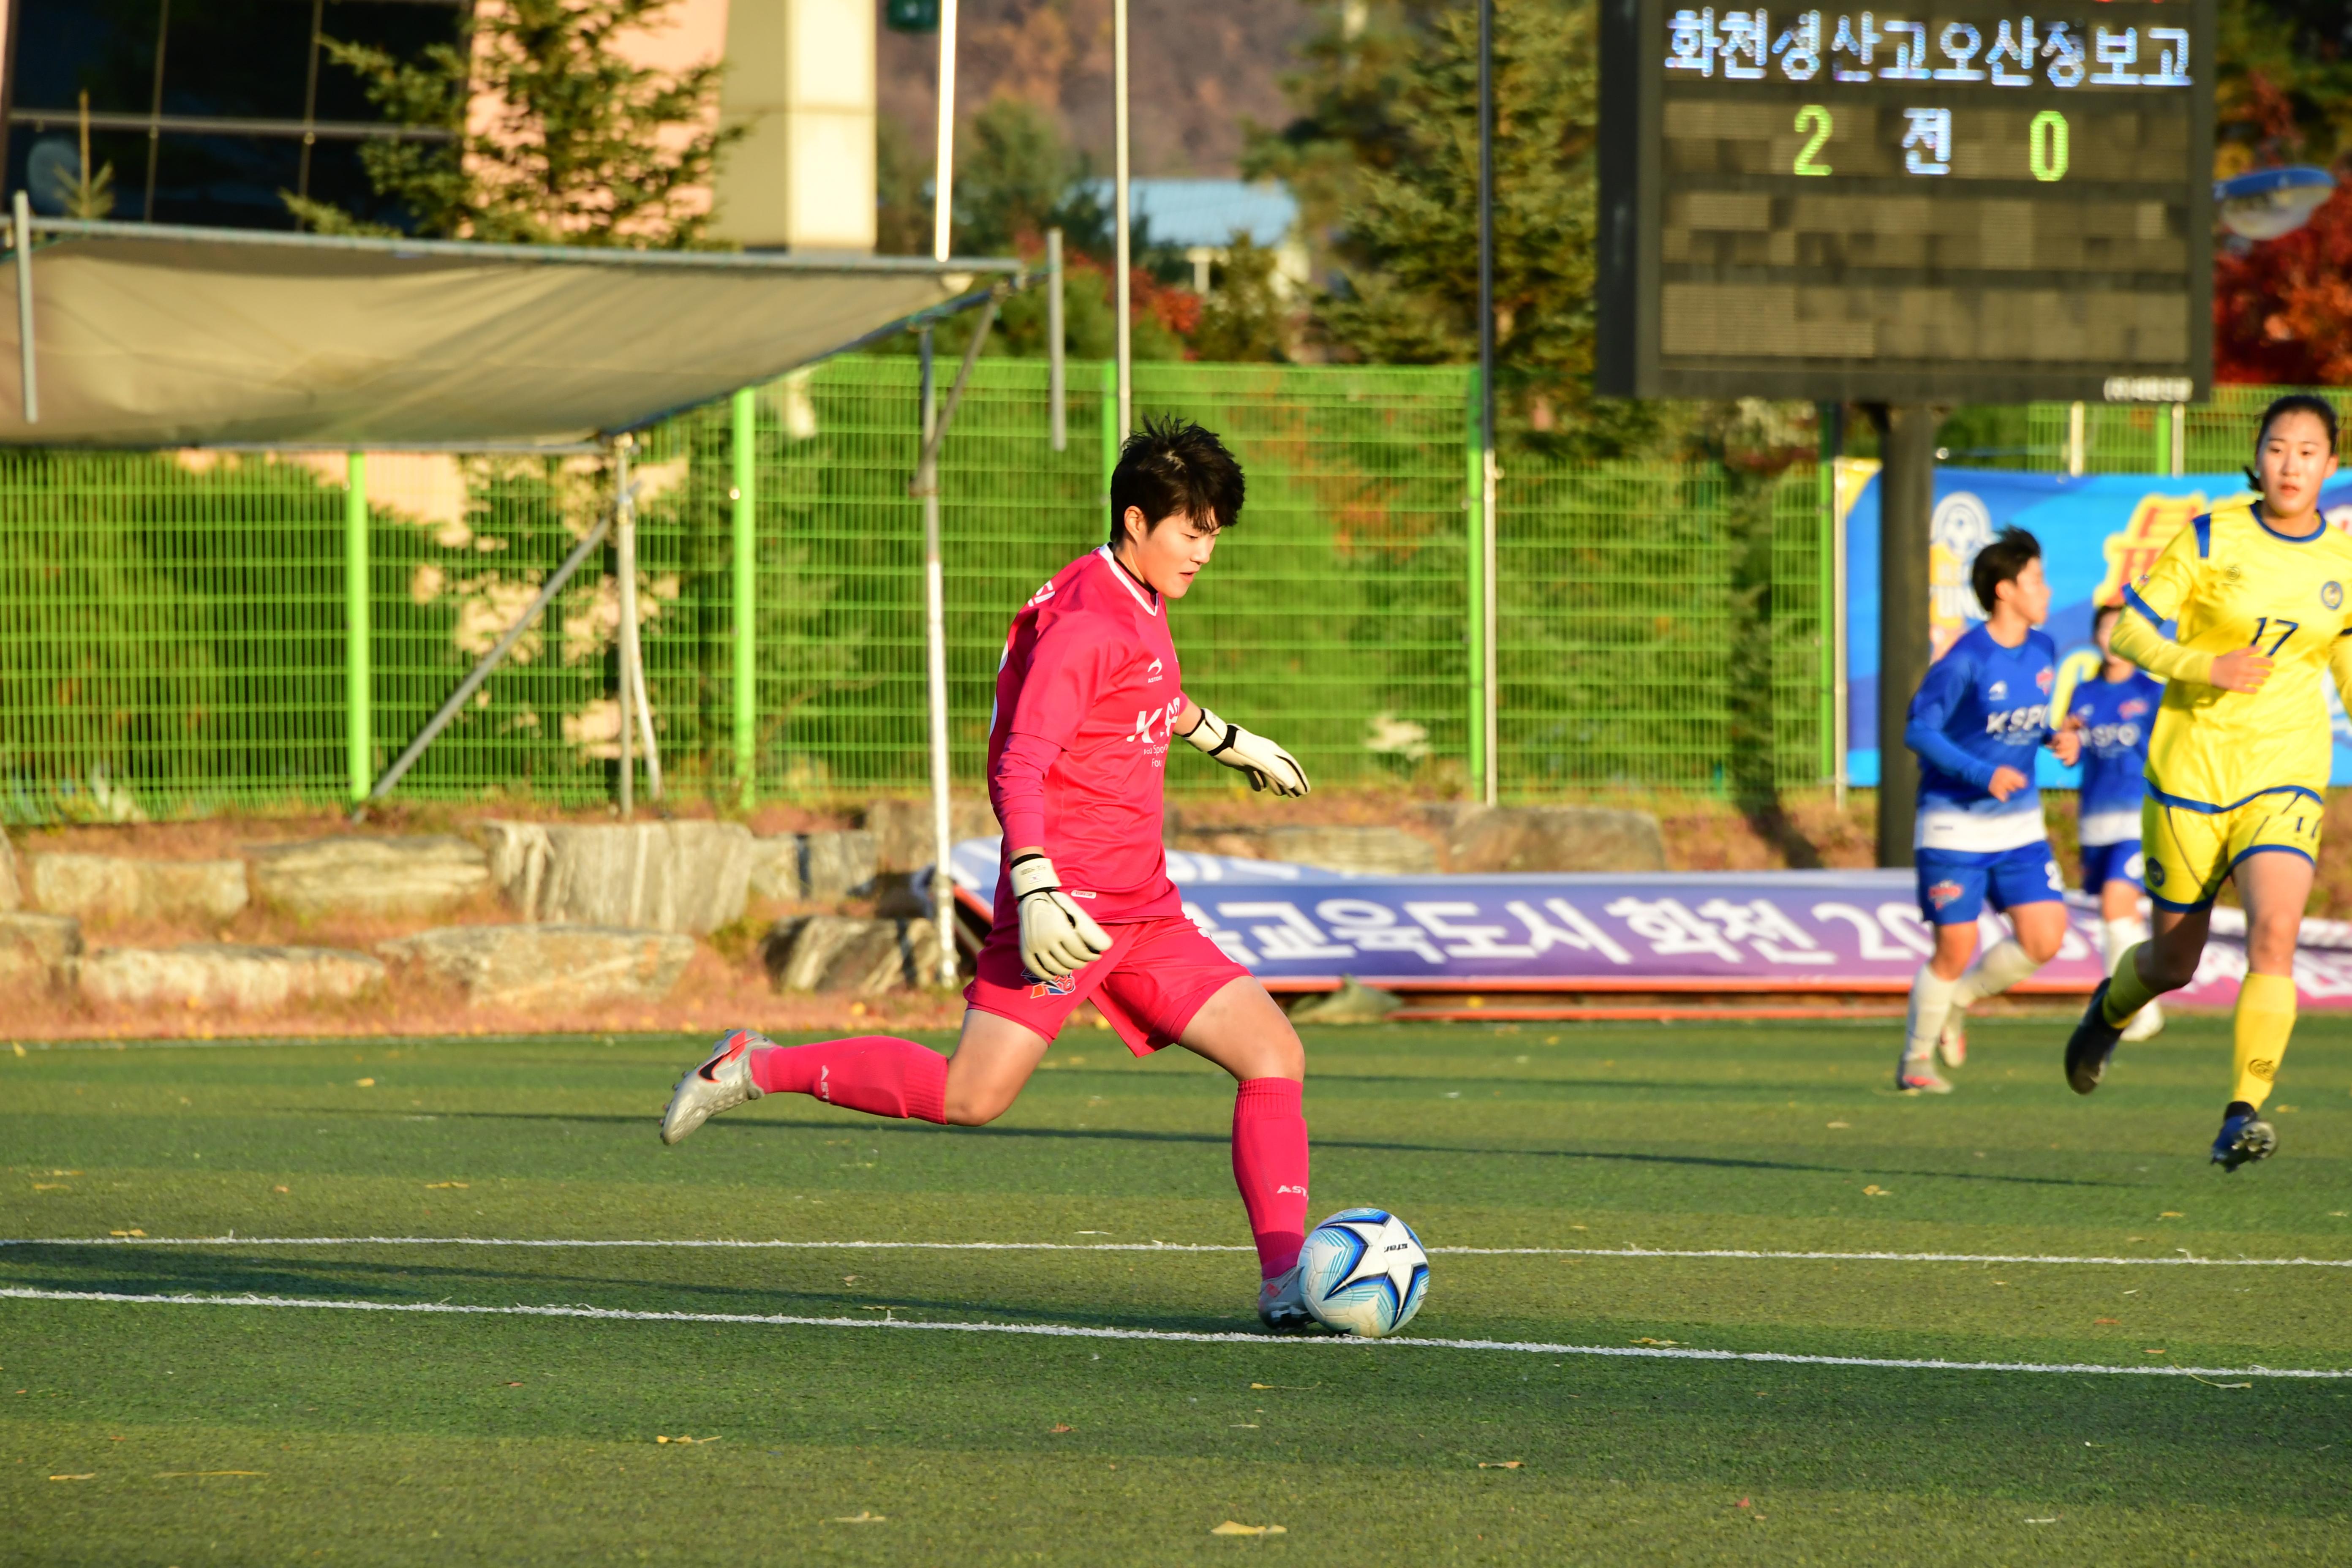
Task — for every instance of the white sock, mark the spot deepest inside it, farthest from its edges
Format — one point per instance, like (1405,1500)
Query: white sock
(1996,969)
(2116,938)
(1931,1004)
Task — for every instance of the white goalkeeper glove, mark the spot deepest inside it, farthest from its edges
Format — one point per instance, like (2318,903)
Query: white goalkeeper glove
(1265,762)
(1057,937)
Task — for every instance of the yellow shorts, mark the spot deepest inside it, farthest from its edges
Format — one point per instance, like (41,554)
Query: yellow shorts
(2190,851)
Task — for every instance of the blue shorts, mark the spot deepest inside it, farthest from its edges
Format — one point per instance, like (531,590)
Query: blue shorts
(2105,863)
(1955,885)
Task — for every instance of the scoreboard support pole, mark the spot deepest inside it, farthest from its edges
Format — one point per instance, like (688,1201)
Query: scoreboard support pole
(1907,490)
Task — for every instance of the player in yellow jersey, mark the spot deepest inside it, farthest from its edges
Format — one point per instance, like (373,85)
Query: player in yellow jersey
(2238,765)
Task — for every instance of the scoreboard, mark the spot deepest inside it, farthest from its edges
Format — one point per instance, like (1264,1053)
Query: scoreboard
(1973,201)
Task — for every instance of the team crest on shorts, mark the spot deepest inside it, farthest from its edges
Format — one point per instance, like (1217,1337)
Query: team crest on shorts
(2156,873)
(2331,596)
(1942,893)
(1041,989)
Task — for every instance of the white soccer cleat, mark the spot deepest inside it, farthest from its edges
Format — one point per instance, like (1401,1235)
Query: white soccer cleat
(722,1083)
(1952,1044)
(1917,1075)
(2146,1024)
(1282,1303)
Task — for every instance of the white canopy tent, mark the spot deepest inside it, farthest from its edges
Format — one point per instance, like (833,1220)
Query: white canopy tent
(143,335)
(150,336)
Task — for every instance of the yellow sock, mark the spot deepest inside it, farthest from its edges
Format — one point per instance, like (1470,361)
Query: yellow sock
(2265,1019)
(2126,991)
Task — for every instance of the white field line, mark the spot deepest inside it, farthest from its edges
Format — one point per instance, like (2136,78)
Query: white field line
(1736,1253)
(1061,1330)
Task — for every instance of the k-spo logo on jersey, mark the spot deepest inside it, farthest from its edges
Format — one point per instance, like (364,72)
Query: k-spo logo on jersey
(2010,720)
(1155,726)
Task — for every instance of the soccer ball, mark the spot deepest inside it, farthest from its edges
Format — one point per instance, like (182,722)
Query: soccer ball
(1364,1272)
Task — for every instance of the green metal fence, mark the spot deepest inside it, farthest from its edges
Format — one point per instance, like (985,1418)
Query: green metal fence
(2215,437)
(174,626)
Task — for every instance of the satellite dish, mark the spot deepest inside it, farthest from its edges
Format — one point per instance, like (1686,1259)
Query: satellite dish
(2269,203)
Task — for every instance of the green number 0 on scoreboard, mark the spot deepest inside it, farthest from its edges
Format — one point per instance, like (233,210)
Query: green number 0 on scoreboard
(2046,146)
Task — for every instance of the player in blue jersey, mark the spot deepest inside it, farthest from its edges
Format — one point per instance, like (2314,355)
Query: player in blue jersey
(1976,723)
(2114,714)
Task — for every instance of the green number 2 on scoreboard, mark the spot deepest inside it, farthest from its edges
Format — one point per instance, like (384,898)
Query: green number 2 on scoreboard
(1816,119)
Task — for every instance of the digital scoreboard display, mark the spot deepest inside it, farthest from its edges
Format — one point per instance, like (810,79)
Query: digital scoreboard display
(1969,201)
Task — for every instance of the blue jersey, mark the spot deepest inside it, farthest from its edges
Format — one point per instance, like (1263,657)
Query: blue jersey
(1983,707)
(2117,717)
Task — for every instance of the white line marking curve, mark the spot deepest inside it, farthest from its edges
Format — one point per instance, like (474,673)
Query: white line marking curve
(1735,1253)
(1063,1331)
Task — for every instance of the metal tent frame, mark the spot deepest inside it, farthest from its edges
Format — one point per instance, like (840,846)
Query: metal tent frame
(23,234)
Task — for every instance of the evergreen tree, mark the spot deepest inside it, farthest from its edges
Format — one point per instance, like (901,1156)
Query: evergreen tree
(580,147)
(1399,96)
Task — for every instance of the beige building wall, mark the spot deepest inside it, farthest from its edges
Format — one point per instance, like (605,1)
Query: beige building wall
(799,76)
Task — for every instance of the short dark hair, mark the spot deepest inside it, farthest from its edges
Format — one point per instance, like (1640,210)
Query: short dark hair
(1172,466)
(2318,408)
(2113,607)
(2011,552)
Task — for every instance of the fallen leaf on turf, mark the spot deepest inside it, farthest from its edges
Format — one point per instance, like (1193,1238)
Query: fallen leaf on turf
(1060,1429)
(126,1233)
(1743,1502)
(437,1185)
(2152,1352)
(51,1187)
(92,1477)
(860,1516)
(65,1173)
(1234,1527)
(1840,1123)
(2110,1322)
(516,1385)
(1289,1387)
(1645,1339)
(2042,1521)
(2209,1384)
(2172,1213)
(1500,1464)
(1875,1191)
(280,1189)
(363,1083)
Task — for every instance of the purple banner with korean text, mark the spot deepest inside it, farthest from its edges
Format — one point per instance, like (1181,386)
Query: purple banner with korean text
(1301,927)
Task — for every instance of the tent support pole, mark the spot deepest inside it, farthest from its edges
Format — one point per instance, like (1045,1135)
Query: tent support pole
(625,576)
(489,661)
(23,238)
(359,671)
(1058,396)
(935,632)
(747,587)
(641,700)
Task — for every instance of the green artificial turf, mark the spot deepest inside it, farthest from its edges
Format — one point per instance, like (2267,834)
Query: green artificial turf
(234,1434)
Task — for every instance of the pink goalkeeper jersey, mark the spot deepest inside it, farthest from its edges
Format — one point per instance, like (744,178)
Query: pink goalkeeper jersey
(1090,675)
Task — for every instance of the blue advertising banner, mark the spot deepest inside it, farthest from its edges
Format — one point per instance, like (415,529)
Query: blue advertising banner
(2097,532)
(1300,928)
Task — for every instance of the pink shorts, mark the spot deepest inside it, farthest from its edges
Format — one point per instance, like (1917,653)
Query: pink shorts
(1156,976)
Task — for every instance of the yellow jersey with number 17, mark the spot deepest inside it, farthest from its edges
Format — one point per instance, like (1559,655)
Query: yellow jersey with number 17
(2233,582)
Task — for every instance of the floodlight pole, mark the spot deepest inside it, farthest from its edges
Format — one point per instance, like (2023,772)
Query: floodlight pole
(937,419)
(1488,621)
(1057,397)
(1907,506)
(1123,289)
(22,218)
(943,177)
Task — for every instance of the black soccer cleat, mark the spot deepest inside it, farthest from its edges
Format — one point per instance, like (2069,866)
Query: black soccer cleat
(2245,1137)
(2092,1045)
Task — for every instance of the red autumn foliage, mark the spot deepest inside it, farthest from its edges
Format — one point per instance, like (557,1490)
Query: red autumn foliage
(2283,308)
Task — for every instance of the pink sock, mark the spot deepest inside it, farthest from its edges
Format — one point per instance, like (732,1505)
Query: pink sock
(1270,1168)
(878,1074)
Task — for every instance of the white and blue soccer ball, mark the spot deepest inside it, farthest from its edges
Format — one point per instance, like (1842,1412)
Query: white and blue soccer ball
(1364,1272)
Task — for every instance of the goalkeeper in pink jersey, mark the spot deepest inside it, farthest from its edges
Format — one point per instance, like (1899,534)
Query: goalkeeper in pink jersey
(1088,697)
